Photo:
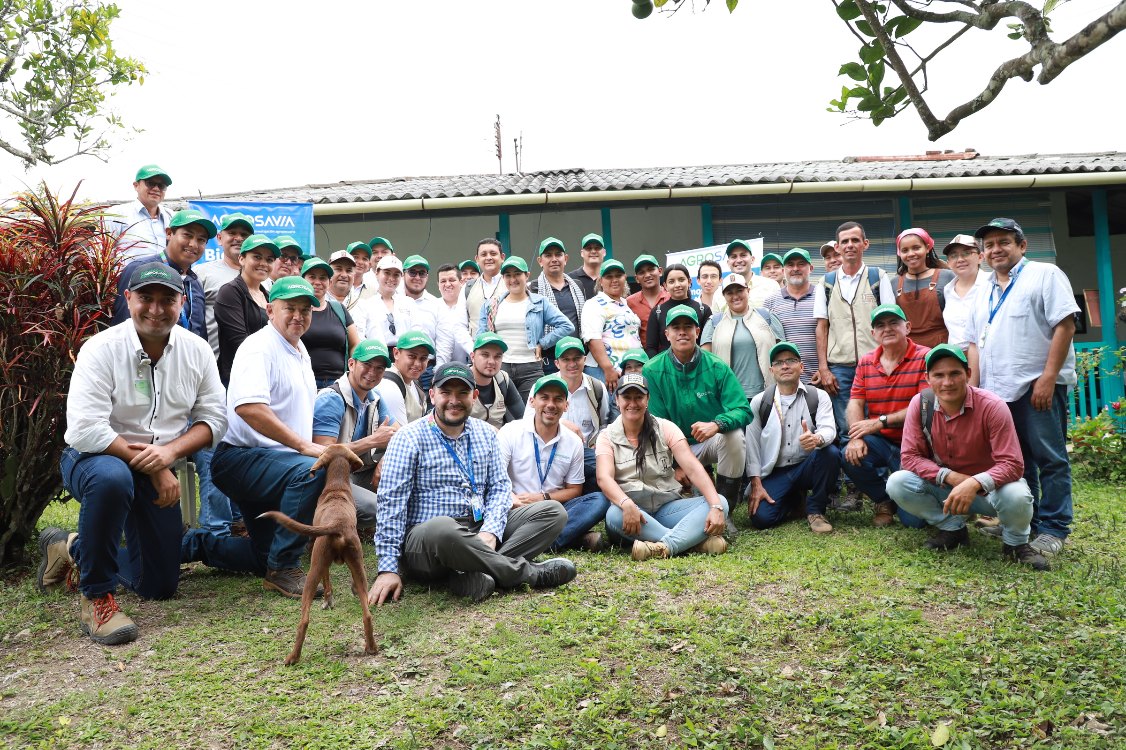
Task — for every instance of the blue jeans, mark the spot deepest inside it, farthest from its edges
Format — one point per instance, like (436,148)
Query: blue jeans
(790,485)
(215,509)
(679,523)
(590,472)
(1043,443)
(262,479)
(882,454)
(1011,503)
(597,374)
(583,513)
(844,375)
(113,499)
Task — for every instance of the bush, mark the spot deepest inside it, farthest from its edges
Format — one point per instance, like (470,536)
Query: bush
(57,284)
(1097,444)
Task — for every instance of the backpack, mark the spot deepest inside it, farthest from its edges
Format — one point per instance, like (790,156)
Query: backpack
(830,281)
(811,399)
(595,395)
(397,380)
(926,416)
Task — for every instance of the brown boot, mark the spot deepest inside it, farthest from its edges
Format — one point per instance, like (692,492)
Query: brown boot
(56,564)
(105,623)
(642,551)
(884,515)
(713,545)
(818,524)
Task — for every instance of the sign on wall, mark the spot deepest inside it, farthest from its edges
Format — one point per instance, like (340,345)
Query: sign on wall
(270,219)
(693,258)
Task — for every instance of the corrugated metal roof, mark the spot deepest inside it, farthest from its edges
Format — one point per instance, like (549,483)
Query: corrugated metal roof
(582,180)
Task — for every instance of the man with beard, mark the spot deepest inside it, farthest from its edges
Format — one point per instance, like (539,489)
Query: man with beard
(498,400)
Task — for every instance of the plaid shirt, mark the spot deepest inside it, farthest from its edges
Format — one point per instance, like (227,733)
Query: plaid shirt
(420,481)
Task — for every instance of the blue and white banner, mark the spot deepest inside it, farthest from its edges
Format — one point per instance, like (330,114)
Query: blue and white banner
(693,258)
(270,219)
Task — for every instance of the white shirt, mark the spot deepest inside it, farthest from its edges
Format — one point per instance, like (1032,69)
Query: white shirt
(453,343)
(848,286)
(269,370)
(116,391)
(137,232)
(370,317)
(517,454)
(422,314)
(213,275)
(580,409)
(509,325)
(956,311)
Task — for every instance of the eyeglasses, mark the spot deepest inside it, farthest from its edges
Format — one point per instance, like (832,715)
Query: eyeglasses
(417,272)
(156,184)
(786,362)
(292,259)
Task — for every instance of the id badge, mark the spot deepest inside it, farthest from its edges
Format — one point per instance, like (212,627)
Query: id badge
(143,387)
(984,334)
(477,507)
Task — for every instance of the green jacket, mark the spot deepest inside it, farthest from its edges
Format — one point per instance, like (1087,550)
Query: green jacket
(704,390)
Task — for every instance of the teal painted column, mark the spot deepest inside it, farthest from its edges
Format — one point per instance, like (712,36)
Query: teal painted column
(504,233)
(905,218)
(607,232)
(1112,386)
(707,234)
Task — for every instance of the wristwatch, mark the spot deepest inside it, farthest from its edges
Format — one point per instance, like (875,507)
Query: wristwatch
(884,420)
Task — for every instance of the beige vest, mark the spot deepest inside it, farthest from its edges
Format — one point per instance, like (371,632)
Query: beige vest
(343,389)
(724,334)
(475,299)
(656,485)
(494,415)
(416,407)
(850,326)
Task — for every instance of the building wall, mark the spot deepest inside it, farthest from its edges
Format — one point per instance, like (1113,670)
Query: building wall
(655,230)
(528,229)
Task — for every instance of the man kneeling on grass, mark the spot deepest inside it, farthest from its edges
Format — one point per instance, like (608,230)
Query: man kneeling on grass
(960,455)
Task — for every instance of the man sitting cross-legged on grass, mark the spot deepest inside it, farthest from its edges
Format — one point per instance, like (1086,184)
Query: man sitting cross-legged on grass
(961,455)
(445,506)
(135,390)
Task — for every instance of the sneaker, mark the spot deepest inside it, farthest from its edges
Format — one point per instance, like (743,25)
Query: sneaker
(476,587)
(642,551)
(289,582)
(948,540)
(1026,554)
(884,515)
(1046,544)
(592,541)
(105,623)
(56,564)
(713,545)
(991,531)
(551,573)
(818,524)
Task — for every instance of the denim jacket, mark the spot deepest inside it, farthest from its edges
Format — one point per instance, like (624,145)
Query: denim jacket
(541,314)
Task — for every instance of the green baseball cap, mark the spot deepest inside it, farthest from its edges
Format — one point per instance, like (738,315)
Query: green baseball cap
(634,355)
(354,246)
(284,240)
(191,216)
(488,337)
(151,170)
(566,344)
(888,309)
(741,244)
(231,219)
(514,262)
(380,241)
(315,262)
(770,256)
(681,311)
(469,264)
(592,237)
(643,259)
(946,350)
(293,287)
(156,273)
(414,339)
(369,349)
(255,241)
(611,265)
(551,380)
(416,260)
(453,371)
(783,346)
(797,252)
(551,242)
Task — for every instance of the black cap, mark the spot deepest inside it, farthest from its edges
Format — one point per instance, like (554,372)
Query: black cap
(156,273)
(1007,225)
(453,371)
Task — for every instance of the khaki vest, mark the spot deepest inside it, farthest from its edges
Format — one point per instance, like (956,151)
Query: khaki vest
(494,415)
(724,334)
(416,407)
(348,424)
(475,299)
(656,485)
(850,327)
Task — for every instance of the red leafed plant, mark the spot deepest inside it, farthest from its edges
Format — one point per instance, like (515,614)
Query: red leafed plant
(58,280)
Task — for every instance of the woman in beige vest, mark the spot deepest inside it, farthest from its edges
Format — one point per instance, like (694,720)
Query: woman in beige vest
(637,456)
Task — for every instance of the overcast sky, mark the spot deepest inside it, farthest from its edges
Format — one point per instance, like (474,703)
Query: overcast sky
(256,95)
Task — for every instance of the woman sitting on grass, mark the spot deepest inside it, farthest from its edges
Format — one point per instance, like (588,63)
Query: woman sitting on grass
(636,456)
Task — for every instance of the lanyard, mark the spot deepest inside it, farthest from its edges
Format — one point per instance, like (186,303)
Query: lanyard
(550,459)
(186,310)
(466,470)
(1012,282)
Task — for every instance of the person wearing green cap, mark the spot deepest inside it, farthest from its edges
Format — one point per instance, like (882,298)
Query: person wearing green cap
(487,286)
(240,308)
(771,267)
(419,309)
(400,387)
(609,326)
(333,332)
(593,253)
(361,290)
(528,323)
(793,306)
(634,361)
(677,281)
(468,269)
(647,272)
(141,225)
(233,229)
(740,260)
(288,262)
(558,288)
(498,401)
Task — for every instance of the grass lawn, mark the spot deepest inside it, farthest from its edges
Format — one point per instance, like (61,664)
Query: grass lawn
(860,639)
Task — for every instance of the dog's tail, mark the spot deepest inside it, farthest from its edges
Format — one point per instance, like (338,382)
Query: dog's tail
(301,528)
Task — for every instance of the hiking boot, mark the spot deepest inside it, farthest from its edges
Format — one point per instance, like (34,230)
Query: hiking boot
(105,623)
(948,540)
(551,573)
(818,524)
(56,564)
(884,515)
(991,531)
(1046,544)
(713,545)
(852,500)
(642,551)
(592,541)
(1025,554)
(289,582)
(477,587)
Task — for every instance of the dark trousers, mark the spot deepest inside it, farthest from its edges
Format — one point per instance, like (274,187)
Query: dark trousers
(808,481)
(882,454)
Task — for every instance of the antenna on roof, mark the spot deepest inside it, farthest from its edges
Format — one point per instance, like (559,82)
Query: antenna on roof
(518,148)
(500,152)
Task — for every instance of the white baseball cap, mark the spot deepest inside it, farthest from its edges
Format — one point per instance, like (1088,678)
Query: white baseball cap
(733,279)
(341,255)
(389,262)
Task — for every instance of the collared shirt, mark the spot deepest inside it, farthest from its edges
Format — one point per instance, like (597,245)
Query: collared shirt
(956,311)
(328,413)
(848,286)
(1013,348)
(453,343)
(422,314)
(518,456)
(420,481)
(213,275)
(115,390)
(798,323)
(777,444)
(887,393)
(643,309)
(137,232)
(980,440)
(269,370)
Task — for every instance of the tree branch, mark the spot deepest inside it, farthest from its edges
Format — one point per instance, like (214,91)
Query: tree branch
(1092,35)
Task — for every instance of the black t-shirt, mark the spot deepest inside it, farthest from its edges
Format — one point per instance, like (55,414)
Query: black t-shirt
(486,394)
(585,281)
(327,342)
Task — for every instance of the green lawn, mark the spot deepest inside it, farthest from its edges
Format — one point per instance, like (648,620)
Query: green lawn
(860,639)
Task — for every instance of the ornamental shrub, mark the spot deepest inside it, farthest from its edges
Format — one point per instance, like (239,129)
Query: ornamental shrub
(1097,445)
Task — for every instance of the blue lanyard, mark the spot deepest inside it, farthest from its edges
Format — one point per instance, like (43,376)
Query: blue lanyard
(1012,282)
(467,471)
(550,459)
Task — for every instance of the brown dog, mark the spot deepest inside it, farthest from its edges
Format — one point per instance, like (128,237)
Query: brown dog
(336,540)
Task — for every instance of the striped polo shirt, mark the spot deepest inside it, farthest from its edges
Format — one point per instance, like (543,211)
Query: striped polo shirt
(796,314)
(887,394)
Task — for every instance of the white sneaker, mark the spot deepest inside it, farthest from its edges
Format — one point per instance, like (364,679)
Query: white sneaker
(1046,544)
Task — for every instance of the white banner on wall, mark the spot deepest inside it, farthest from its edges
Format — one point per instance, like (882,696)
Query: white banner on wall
(693,258)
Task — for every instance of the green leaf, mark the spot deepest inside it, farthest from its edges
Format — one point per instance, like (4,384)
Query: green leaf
(659,3)
(859,92)
(865,28)
(941,735)
(731,5)
(876,73)
(853,70)
(898,96)
(906,25)
(870,53)
(848,10)
(1015,35)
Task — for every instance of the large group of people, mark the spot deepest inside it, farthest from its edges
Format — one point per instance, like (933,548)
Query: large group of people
(512,416)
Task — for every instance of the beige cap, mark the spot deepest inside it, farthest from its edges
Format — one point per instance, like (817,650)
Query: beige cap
(965,240)
(389,262)
(831,244)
